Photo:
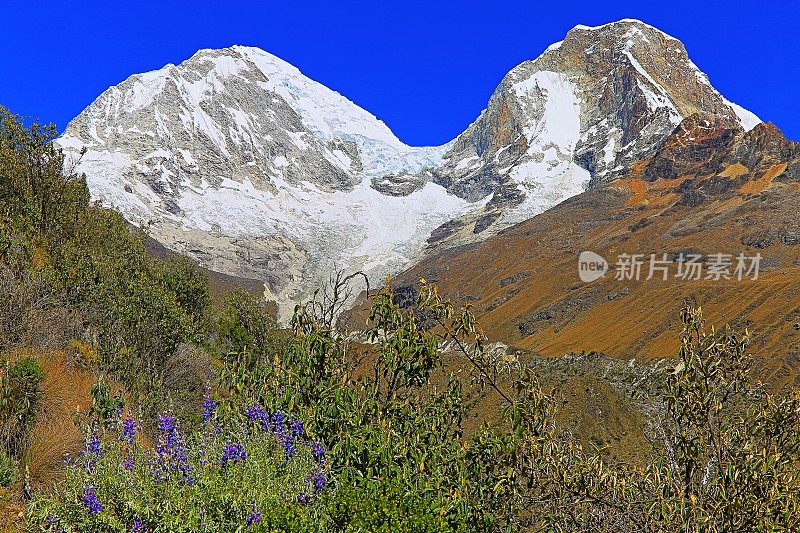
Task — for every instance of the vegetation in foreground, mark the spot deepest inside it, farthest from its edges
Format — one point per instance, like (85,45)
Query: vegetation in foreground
(196,416)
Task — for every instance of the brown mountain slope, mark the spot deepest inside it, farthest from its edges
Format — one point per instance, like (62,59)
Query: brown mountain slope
(709,189)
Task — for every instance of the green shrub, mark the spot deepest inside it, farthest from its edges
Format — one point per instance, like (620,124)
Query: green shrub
(21,390)
(255,470)
(8,470)
(385,505)
(398,459)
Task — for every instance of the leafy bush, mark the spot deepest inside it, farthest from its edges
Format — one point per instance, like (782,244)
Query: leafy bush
(398,458)
(61,256)
(251,469)
(20,391)
(395,436)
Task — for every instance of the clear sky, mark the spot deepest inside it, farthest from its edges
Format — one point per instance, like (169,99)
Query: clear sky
(425,68)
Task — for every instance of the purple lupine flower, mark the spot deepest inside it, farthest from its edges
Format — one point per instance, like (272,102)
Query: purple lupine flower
(128,430)
(278,423)
(166,424)
(55,524)
(171,450)
(318,452)
(209,406)
(129,462)
(93,445)
(304,498)
(254,517)
(232,453)
(139,526)
(170,440)
(297,428)
(93,505)
(318,481)
(181,463)
(257,414)
(288,445)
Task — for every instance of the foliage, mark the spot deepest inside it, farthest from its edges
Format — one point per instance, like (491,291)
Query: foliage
(728,460)
(37,199)
(8,470)
(63,257)
(258,471)
(20,389)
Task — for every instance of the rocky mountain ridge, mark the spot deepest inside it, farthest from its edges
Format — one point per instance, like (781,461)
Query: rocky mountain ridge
(235,158)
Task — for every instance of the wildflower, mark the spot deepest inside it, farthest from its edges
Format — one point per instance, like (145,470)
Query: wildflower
(139,526)
(171,450)
(209,406)
(254,517)
(128,430)
(232,453)
(278,423)
(288,445)
(170,441)
(318,452)
(304,498)
(297,428)
(318,481)
(257,414)
(166,424)
(93,445)
(93,505)
(128,463)
(55,524)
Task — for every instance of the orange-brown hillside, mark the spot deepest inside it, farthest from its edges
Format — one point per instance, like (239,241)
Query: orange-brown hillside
(710,189)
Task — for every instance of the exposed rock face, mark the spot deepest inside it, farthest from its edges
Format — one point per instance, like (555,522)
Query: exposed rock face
(712,158)
(237,159)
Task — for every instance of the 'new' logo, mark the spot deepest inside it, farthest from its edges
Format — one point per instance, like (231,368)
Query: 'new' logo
(591,266)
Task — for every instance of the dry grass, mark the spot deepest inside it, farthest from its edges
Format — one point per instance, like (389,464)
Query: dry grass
(66,390)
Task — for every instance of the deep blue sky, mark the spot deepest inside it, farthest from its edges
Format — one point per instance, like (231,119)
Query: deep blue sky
(425,68)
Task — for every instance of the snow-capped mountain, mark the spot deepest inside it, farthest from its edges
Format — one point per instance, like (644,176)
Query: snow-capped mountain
(581,113)
(237,159)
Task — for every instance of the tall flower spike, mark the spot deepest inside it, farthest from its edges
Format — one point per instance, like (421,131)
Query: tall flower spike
(318,451)
(232,453)
(209,406)
(128,430)
(90,500)
(93,445)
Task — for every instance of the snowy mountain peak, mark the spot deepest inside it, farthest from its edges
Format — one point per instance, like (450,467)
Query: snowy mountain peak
(626,24)
(238,159)
(582,112)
